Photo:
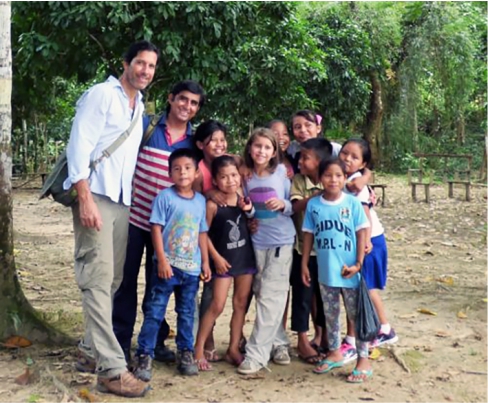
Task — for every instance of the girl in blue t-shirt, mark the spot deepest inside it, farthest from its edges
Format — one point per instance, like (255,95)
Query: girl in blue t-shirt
(335,224)
(268,188)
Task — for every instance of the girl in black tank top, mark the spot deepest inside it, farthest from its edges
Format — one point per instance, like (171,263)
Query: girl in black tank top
(232,258)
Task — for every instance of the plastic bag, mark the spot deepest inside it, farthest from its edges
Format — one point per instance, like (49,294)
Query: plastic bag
(367,321)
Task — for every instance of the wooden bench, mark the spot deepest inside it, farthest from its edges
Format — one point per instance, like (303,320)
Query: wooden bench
(420,180)
(381,186)
(461,177)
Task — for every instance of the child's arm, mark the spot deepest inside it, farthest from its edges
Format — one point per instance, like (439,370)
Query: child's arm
(349,271)
(203,243)
(368,246)
(222,266)
(164,269)
(198,184)
(357,184)
(306,249)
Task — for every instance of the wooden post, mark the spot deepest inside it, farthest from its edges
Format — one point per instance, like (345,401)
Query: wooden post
(414,196)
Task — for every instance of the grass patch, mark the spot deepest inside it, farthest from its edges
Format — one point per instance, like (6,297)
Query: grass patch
(68,322)
(413,360)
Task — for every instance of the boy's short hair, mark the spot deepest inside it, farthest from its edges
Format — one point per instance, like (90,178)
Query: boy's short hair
(320,146)
(180,153)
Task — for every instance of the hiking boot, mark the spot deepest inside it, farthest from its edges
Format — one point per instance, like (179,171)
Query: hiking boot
(125,385)
(281,355)
(186,364)
(248,367)
(164,354)
(143,369)
(85,363)
(348,351)
(383,338)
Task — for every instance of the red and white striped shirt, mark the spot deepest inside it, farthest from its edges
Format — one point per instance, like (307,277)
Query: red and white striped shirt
(150,177)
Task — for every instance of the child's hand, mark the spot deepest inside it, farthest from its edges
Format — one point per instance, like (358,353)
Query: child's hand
(252,224)
(206,274)
(369,247)
(217,197)
(245,204)
(222,266)
(349,271)
(306,276)
(275,204)
(164,270)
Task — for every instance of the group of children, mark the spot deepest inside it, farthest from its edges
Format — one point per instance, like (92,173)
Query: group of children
(284,213)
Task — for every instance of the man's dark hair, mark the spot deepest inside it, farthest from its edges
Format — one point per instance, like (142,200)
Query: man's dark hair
(137,47)
(182,152)
(190,86)
(320,146)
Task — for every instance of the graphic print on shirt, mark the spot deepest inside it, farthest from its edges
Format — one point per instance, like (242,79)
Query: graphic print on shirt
(183,242)
(259,196)
(235,235)
(334,234)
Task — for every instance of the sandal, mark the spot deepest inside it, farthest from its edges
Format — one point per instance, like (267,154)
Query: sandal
(203,365)
(359,376)
(330,366)
(211,355)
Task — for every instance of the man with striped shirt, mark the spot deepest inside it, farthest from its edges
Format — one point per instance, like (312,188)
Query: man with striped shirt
(173,131)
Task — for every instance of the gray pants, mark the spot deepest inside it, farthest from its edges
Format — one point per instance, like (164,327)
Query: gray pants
(99,263)
(271,285)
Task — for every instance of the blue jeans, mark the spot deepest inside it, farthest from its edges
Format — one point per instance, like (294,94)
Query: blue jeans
(125,300)
(185,287)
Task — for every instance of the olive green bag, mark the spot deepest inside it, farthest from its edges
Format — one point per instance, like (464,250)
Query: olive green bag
(53,186)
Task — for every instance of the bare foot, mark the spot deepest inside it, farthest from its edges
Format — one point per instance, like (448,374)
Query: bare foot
(234,358)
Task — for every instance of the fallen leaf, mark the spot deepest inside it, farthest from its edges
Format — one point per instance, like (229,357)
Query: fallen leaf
(24,378)
(374,354)
(16,342)
(462,315)
(426,311)
(86,395)
(408,316)
(485,299)
(441,333)
(446,280)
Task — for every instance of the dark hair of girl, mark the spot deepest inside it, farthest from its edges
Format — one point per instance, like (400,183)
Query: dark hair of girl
(221,162)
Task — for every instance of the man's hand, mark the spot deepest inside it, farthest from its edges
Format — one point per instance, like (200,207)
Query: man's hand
(89,214)
(164,270)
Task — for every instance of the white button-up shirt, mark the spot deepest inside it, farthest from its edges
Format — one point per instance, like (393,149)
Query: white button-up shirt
(102,115)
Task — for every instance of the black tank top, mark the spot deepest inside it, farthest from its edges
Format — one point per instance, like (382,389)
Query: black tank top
(230,237)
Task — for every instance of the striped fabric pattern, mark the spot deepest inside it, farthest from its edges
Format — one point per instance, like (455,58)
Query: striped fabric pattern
(150,177)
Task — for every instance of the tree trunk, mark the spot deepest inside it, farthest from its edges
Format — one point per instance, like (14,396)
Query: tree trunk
(460,129)
(374,119)
(17,317)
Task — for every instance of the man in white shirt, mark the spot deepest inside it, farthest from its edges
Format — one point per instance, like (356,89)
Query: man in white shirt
(101,215)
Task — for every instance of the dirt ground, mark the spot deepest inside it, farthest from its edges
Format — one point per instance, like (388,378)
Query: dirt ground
(437,261)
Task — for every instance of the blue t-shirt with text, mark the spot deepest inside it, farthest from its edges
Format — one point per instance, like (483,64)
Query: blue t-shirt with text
(182,220)
(334,225)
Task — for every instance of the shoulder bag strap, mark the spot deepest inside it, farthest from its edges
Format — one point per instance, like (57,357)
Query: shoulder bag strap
(118,142)
(150,129)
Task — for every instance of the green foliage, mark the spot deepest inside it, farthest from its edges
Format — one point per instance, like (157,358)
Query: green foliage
(264,60)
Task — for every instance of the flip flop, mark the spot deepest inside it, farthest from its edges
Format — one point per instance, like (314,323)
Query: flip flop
(330,366)
(365,374)
(313,359)
(211,355)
